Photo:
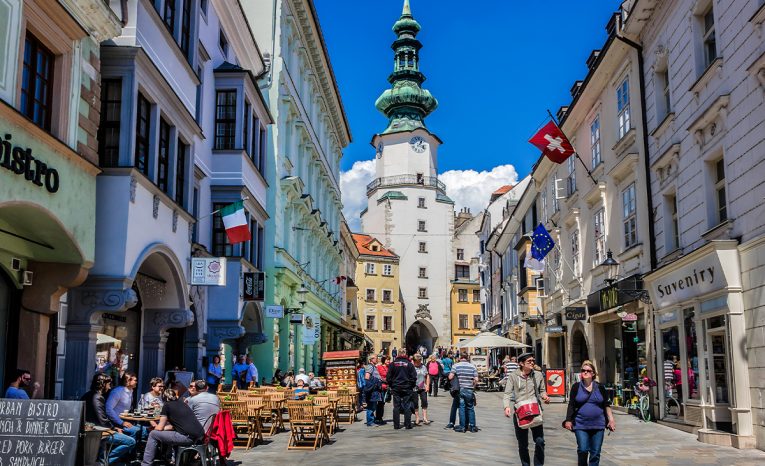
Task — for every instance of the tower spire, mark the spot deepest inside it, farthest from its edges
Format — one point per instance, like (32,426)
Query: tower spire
(406,104)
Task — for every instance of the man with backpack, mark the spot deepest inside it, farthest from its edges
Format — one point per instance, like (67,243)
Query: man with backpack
(401,381)
(526,387)
(372,389)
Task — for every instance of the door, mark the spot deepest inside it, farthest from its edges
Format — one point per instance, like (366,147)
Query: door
(719,377)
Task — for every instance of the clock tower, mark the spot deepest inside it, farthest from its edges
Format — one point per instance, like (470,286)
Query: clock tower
(407,207)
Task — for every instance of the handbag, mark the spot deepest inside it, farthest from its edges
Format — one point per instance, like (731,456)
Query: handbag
(528,413)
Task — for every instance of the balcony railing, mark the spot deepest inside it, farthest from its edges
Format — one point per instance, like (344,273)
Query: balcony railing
(402,180)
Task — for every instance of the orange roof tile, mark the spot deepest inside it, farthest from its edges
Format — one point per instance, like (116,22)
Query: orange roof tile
(363,245)
(502,190)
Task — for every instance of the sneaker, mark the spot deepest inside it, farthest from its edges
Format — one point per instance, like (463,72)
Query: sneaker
(449,426)
(473,429)
(409,427)
(397,427)
(459,429)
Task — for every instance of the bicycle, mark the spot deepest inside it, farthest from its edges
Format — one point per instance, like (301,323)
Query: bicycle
(643,405)
(671,404)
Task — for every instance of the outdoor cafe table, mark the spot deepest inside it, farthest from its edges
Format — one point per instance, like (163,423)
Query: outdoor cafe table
(140,419)
(321,414)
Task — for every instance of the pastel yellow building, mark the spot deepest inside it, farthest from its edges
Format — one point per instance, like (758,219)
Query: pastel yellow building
(379,303)
(466,309)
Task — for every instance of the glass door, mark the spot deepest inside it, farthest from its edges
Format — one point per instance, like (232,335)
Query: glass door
(719,370)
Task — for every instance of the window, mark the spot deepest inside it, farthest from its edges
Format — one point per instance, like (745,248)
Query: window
(262,151)
(555,203)
(710,42)
(595,142)
(142,127)
(476,296)
(387,269)
(370,322)
(664,105)
(37,82)
(180,172)
(225,119)
(254,252)
(203,6)
(722,210)
(195,213)
(109,128)
(163,155)
(370,268)
(461,271)
(422,293)
(168,15)
(420,178)
(629,209)
(261,243)
(460,254)
(674,233)
(423,272)
(388,323)
(523,280)
(422,247)
(387,296)
(575,252)
(623,107)
(255,142)
(370,294)
(599,234)
(421,225)
(200,87)
(463,321)
(223,43)
(186,29)
(462,295)
(571,179)
(476,321)
(421,202)
(220,246)
(246,127)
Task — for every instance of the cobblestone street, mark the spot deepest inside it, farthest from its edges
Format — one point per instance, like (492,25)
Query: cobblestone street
(633,443)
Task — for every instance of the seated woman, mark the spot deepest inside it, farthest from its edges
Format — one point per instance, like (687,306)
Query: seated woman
(301,391)
(289,380)
(278,376)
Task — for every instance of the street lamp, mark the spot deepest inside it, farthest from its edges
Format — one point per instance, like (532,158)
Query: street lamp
(354,321)
(611,267)
(523,311)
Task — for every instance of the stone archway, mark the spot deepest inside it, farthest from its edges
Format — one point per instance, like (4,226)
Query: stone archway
(420,333)
(579,348)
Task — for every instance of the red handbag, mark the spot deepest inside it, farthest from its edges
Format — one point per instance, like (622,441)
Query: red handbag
(526,411)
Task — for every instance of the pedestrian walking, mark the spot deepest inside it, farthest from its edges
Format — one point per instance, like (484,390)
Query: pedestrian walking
(453,387)
(447,362)
(372,389)
(434,371)
(524,390)
(588,415)
(421,391)
(382,369)
(401,381)
(467,374)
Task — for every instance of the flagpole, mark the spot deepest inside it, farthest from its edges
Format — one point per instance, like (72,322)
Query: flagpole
(589,173)
(216,211)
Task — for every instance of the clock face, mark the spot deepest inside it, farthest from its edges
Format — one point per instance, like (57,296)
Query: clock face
(379,149)
(418,144)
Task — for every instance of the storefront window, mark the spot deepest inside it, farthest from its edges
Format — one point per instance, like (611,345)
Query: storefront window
(634,350)
(117,343)
(691,350)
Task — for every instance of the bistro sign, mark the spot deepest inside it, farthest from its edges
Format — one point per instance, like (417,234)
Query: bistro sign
(20,161)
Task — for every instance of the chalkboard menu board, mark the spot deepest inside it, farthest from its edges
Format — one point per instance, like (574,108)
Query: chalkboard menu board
(39,432)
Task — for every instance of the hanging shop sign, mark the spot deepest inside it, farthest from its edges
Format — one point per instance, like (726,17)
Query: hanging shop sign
(253,286)
(631,317)
(700,277)
(19,160)
(311,328)
(39,432)
(575,313)
(613,296)
(554,329)
(274,312)
(555,382)
(209,271)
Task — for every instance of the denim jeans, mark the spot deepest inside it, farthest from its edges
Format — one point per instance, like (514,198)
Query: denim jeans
(371,409)
(137,432)
(121,444)
(588,443)
(454,409)
(467,410)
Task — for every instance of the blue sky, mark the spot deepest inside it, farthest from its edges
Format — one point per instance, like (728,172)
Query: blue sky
(494,66)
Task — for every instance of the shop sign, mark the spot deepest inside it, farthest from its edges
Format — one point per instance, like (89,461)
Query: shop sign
(611,296)
(311,328)
(631,317)
(208,271)
(20,161)
(667,317)
(554,329)
(274,312)
(555,379)
(575,313)
(695,279)
(253,284)
(39,432)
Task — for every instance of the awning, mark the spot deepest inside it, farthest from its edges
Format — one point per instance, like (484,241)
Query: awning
(346,332)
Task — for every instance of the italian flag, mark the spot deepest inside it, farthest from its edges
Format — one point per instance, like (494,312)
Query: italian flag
(235,222)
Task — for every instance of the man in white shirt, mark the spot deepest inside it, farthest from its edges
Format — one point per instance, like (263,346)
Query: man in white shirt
(301,376)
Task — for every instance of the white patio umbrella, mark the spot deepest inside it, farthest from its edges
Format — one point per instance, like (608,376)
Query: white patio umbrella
(491,340)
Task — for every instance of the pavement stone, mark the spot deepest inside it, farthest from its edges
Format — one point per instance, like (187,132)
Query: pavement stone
(633,443)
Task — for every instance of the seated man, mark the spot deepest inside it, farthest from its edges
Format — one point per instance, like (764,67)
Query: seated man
(301,391)
(301,376)
(314,383)
(95,412)
(204,404)
(177,426)
(120,400)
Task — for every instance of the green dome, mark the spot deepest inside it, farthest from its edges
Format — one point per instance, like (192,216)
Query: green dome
(406,24)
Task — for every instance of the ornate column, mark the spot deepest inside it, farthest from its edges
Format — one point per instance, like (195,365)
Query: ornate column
(156,323)
(223,332)
(99,295)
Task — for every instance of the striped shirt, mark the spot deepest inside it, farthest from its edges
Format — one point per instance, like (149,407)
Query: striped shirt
(465,373)
(510,367)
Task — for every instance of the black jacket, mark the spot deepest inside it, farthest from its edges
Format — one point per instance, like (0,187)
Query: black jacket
(95,409)
(573,406)
(401,374)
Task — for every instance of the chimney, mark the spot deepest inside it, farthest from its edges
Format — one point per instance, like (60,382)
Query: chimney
(592,59)
(575,88)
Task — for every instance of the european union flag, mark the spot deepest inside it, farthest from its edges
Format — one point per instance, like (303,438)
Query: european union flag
(541,243)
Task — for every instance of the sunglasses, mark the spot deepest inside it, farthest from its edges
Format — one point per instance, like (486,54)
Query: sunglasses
(587,371)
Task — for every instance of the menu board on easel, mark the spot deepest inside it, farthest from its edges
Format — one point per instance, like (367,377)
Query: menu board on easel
(340,369)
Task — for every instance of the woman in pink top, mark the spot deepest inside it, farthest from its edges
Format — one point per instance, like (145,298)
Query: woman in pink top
(434,370)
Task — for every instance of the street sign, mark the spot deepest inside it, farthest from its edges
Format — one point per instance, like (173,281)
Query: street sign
(274,312)
(575,313)
(208,271)
(554,329)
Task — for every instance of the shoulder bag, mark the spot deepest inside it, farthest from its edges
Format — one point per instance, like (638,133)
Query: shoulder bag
(529,412)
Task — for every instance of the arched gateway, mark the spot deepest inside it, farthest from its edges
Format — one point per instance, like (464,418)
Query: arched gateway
(421,333)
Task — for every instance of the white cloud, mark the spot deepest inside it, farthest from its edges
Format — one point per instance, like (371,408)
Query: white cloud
(353,187)
(468,188)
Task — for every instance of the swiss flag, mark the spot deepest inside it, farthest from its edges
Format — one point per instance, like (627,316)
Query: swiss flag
(553,143)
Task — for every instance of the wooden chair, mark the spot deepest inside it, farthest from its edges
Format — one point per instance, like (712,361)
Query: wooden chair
(271,414)
(240,420)
(329,406)
(255,404)
(346,405)
(305,427)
